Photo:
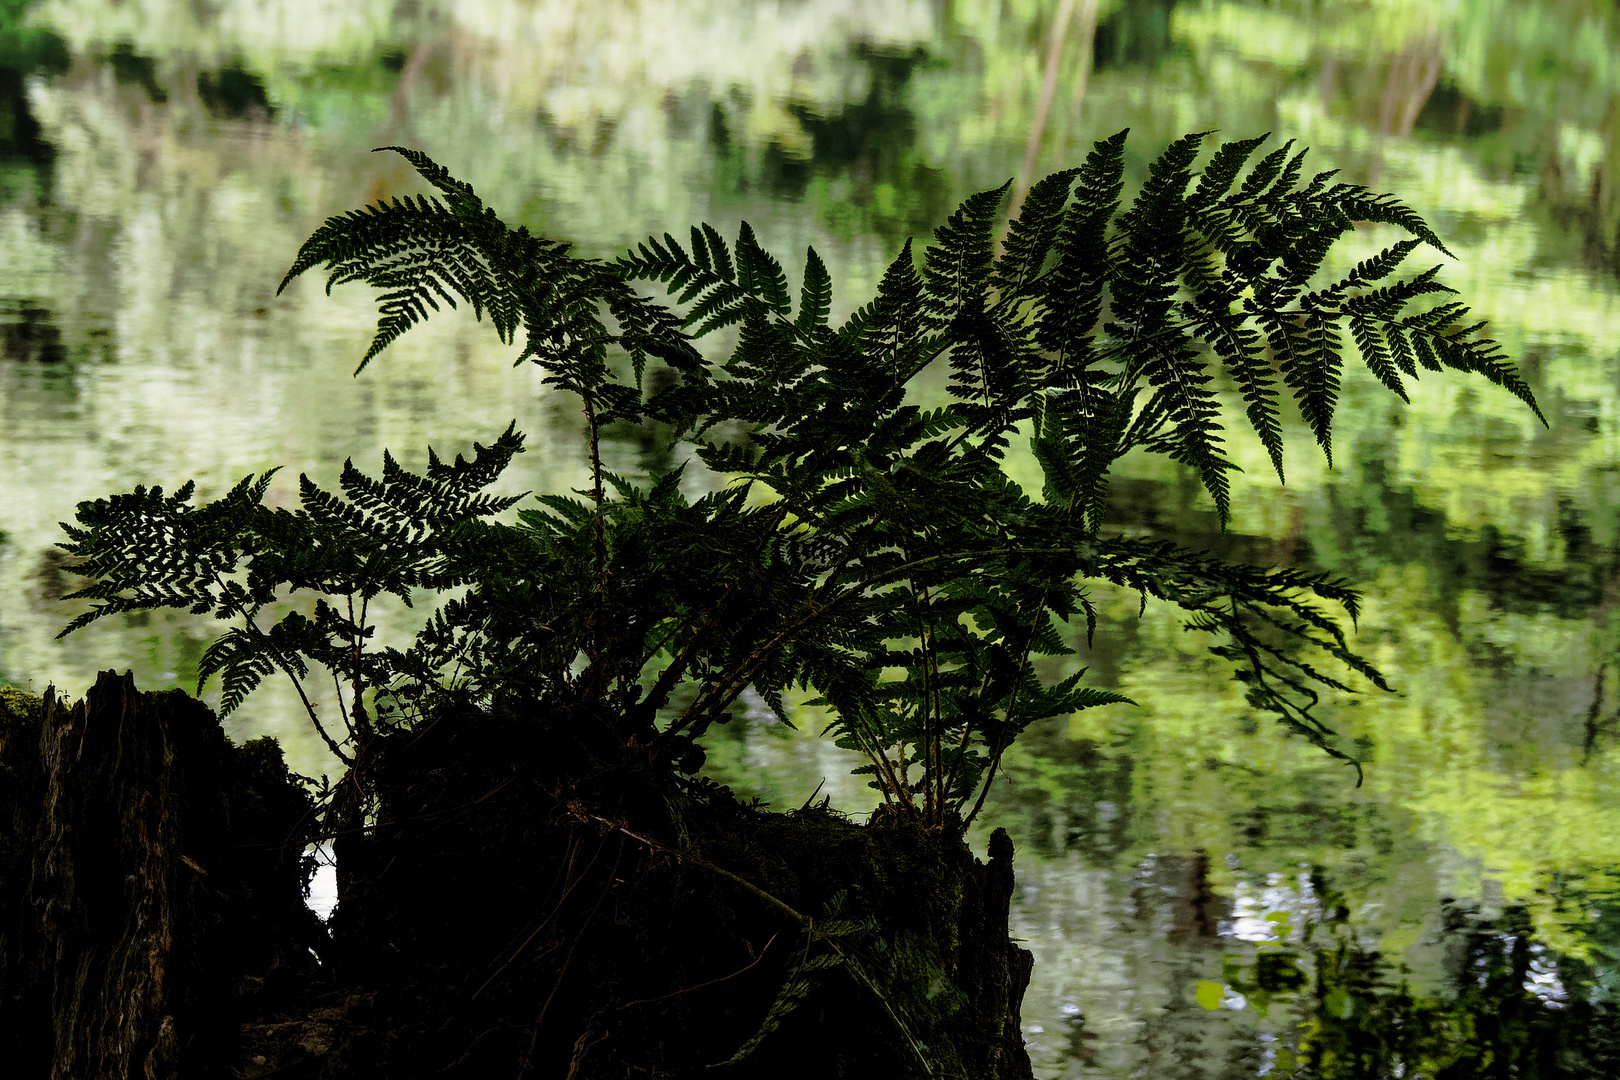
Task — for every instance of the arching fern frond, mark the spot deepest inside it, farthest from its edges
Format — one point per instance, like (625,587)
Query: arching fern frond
(423,250)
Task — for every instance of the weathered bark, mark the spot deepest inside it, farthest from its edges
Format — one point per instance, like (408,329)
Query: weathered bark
(533,897)
(151,879)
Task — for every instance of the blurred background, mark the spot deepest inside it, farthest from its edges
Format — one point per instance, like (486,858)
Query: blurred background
(1204,897)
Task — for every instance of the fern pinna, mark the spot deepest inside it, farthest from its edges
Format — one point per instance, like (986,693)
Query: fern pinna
(854,544)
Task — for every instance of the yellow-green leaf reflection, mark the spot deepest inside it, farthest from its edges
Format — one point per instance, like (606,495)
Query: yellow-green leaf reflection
(1208,994)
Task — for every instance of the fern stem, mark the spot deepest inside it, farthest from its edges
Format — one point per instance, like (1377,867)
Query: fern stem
(725,689)
(281,662)
(658,696)
(923,707)
(309,707)
(904,777)
(1000,745)
(357,708)
(880,758)
(337,688)
(598,550)
(934,728)
(667,680)
(967,734)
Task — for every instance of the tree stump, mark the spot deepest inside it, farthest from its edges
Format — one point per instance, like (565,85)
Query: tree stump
(151,884)
(525,899)
(529,902)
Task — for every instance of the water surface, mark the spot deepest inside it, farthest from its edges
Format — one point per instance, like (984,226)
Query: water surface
(1203,896)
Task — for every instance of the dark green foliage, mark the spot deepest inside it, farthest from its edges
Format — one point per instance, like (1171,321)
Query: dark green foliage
(857,545)
(29,49)
(235,559)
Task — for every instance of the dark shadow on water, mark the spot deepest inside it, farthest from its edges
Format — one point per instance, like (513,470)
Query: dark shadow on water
(24,51)
(1451,113)
(872,177)
(1369,524)
(1511,1007)
(131,69)
(871,136)
(29,333)
(1135,34)
(234,93)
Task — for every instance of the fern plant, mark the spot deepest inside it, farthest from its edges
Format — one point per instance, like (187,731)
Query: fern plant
(234,558)
(857,545)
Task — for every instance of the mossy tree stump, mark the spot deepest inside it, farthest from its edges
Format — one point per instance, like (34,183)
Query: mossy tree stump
(526,900)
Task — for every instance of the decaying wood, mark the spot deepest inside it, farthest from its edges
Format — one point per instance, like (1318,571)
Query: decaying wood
(150,883)
(519,904)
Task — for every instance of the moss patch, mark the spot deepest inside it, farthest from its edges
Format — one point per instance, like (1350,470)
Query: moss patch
(18,704)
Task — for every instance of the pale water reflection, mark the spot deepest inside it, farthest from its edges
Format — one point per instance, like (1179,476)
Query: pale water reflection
(1203,897)
(322,896)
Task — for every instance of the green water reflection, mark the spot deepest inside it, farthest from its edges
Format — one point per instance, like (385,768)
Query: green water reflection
(1204,898)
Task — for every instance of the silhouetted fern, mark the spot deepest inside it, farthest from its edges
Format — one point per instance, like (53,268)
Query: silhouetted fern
(850,532)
